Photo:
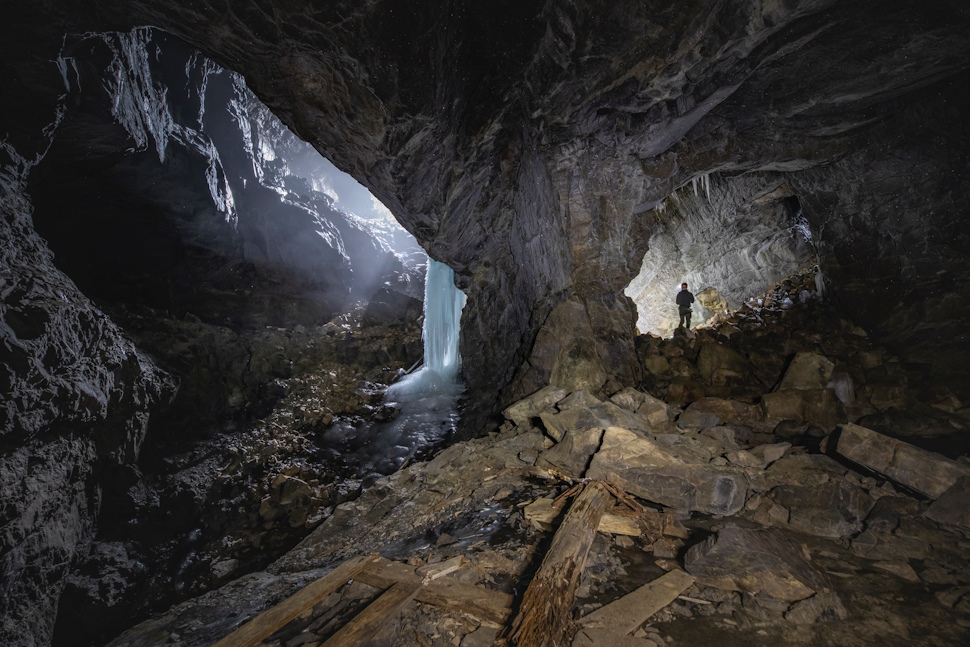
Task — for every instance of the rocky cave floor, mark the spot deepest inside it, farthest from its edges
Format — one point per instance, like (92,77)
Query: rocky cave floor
(788,540)
(247,461)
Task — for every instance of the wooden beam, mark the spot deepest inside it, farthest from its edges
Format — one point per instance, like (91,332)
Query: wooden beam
(369,621)
(272,620)
(544,617)
(483,604)
(623,616)
(542,513)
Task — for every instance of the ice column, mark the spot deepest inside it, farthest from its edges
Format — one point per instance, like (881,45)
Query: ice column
(443,303)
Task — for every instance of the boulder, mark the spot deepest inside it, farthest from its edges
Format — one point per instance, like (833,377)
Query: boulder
(657,412)
(818,406)
(577,400)
(924,471)
(711,299)
(572,454)
(730,437)
(831,510)
(650,471)
(806,470)
(807,371)
(952,508)
(711,412)
(754,561)
(716,363)
(770,453)
(600,416)
(656,365)
(821,607)
(523,411)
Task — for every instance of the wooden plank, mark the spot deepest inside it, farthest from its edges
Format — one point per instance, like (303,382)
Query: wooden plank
(623,616)
(272,620)
(446,592)
(369,621)
(544,617)
(431,572)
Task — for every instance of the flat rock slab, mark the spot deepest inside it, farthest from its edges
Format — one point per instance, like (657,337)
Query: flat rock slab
(599,416)
(572,454)
(953,506)
(754,561)
(821,407)
(623,616)
(545,399)
(924,471)
(807,371)
(833,510)
(645,469)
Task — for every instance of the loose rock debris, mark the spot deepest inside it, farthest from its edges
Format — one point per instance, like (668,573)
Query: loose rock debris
(783,542)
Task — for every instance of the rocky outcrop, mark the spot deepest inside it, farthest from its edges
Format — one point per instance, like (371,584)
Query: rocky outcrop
(77,399)
(245,241)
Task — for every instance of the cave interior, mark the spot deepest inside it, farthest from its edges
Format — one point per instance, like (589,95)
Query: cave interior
(218,220)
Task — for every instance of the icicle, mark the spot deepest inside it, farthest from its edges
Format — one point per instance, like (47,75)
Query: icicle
(693,181)
(443,303)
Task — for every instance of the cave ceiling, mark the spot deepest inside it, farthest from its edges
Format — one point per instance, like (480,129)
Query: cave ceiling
(529,144)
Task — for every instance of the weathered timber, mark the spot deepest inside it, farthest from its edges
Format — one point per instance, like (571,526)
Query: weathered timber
(544,617)
(369,621)
(483,604)
(924,471)
(273,619)
(623,616)
(431,572)
(542,512)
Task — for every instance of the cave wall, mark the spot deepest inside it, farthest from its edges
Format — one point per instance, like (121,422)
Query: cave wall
(77,400)
(525,143)
(893,231)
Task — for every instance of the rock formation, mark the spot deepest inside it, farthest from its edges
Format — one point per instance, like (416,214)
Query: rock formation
(554,154)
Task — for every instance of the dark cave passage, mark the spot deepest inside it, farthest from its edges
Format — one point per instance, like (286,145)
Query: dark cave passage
(201,315)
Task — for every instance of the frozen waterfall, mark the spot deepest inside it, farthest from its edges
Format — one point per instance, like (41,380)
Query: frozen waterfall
(443,303)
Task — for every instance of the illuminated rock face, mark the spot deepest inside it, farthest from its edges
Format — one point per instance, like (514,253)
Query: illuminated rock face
(527,144)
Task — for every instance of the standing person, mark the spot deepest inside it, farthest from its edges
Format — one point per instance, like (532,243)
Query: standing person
(684,299)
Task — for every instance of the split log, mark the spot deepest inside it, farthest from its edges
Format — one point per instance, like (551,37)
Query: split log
(632,610)
(272,620)
(544,617)
(368,622)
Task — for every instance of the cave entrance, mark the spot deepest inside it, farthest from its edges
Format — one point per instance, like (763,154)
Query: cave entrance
(728,242)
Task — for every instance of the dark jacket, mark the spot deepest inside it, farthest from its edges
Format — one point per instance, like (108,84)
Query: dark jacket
(684,299)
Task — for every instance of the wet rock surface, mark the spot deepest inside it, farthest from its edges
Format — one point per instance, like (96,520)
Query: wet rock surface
(817,548)
(244,462)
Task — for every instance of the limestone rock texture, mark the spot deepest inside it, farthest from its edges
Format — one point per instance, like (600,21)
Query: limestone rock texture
(77,399)
(533,146)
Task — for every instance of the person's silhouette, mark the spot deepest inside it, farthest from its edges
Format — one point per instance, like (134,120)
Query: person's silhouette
(684,299)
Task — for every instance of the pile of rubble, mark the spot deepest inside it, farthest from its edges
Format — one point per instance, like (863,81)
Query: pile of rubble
(776,465)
